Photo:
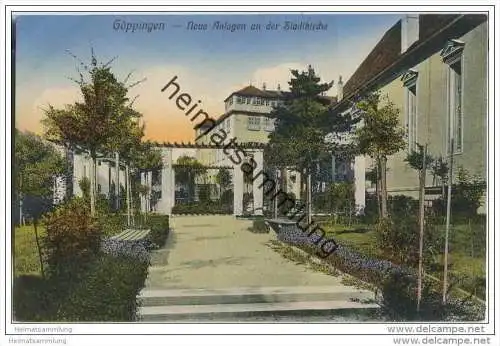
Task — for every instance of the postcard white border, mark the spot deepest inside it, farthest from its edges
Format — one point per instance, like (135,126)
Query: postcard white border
(155,329)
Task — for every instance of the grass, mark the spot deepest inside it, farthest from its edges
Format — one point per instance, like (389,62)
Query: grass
(467,261)
(26,260)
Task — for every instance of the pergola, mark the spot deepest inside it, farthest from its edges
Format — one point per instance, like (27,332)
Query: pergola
(251,149)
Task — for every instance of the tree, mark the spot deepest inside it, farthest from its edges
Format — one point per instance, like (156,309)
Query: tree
(439,169)
(298,141)
(420,161)
(224,180)
(36,164)
(150,159)
(95,123)
(186,172)
(380,136)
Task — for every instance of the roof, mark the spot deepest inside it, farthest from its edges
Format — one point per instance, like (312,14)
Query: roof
(252,91)
(385,61)
(382,55)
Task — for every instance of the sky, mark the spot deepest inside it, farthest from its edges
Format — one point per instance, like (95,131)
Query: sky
(209,62)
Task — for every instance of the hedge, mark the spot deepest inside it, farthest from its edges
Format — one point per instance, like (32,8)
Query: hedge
(202,208)
(160,228)
(88,279)
(259,226)
(107,292)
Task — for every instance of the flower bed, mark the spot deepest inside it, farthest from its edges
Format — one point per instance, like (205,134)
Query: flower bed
(398,284)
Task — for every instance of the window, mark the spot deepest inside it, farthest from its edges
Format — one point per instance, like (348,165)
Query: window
(253,123)
(266,102)
(412,117)
(240,100)
(268,124)
(248,100)
(410,83)
(452,56)
(455,119)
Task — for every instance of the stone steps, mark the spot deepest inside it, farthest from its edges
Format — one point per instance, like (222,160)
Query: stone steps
(243,303)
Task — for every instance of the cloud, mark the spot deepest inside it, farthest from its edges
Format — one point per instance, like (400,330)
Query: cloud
(164,120)
(274,75)
(29,110)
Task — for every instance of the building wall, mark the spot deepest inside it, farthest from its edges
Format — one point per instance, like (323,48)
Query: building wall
(81,169)
(432,112)
(475,62)
(243,134)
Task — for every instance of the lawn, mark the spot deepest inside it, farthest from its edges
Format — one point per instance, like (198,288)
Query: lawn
(467,259)
(26,260)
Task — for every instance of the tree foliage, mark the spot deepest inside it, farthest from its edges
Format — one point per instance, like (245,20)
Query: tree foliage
(36,164)
(415,159)
(299,137)
(101,122)
(380,136)
(224,179)
(187,171)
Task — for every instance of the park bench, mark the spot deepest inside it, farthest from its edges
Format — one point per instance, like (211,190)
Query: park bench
(132,235)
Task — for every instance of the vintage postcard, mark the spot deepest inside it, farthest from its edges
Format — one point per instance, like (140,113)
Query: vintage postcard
(252,167)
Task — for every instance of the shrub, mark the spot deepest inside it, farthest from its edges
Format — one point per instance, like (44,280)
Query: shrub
(370,213)
(397,284)
(72,236)
(400,302)
(401,206)
(112,224)
(227,197)
(160,228)
(107,292)
(204,193)
(400,299)
(33,299)
(84,185)
(466,196)
(400,237)
(259,226)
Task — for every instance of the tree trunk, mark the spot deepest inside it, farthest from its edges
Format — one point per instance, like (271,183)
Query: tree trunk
(127,183)
(132,201)
(117,181)
(448,221)
(421,224)
(309,203)
(39,248)
(92,183)
(383,178)
(377,188)
(190,186)
(276,189)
